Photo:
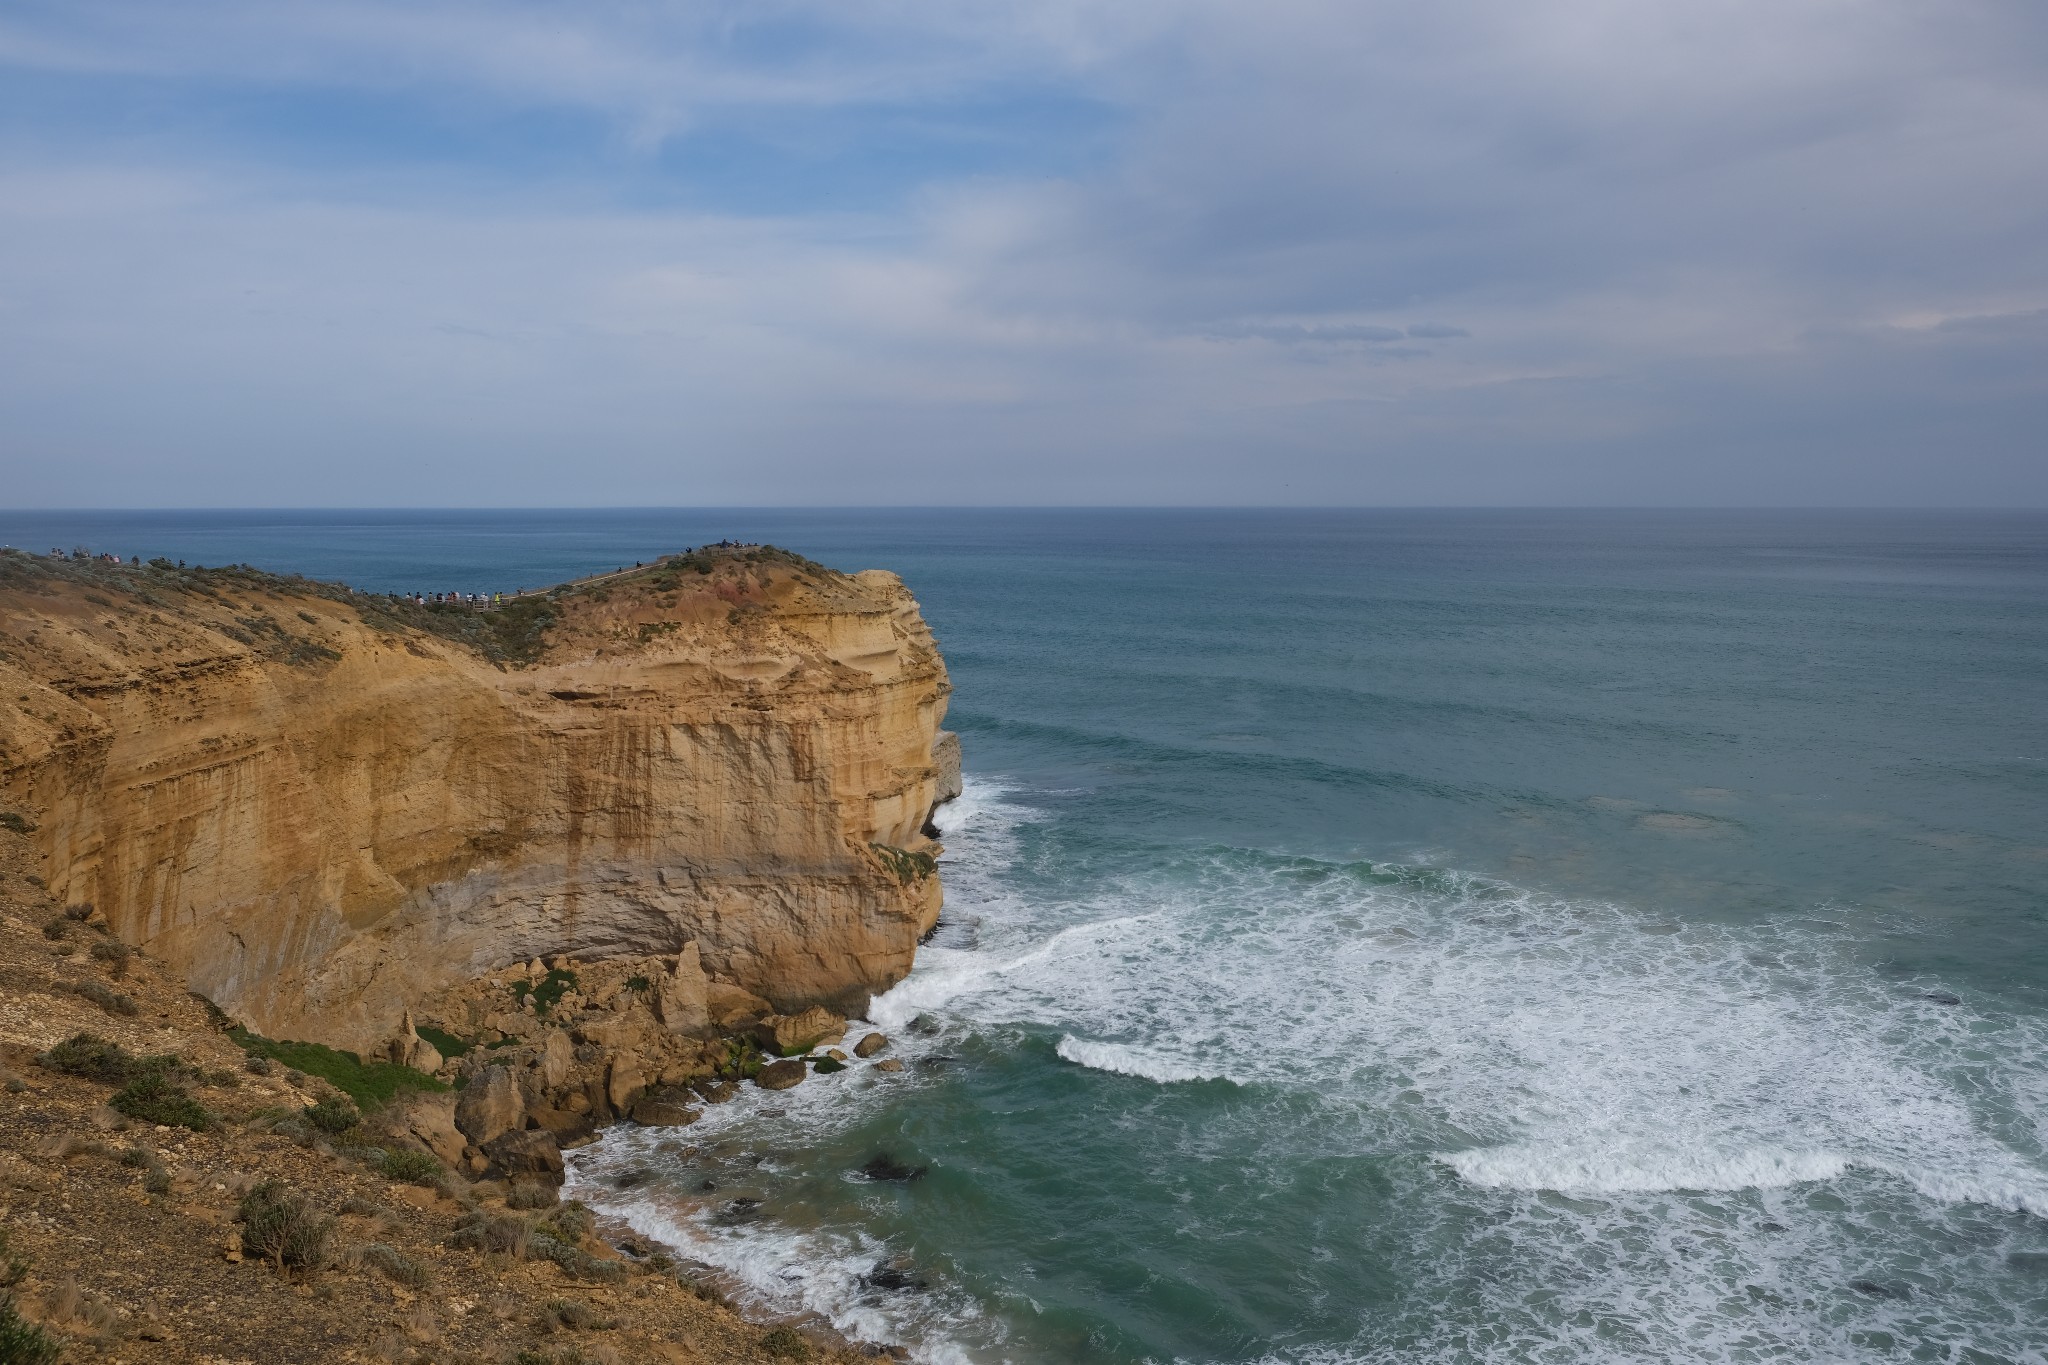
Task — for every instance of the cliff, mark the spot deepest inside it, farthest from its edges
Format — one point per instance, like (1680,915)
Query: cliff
(320,805)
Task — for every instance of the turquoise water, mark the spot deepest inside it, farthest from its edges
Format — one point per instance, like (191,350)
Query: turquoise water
(1405,936)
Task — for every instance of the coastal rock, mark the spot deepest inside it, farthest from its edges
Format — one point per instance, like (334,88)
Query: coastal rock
(889,1064)
(557,1059)
(664,1109)
(409,1049)
(681,997)
(946,759)
(781,1075)
(624,1080)
(490,1105)
(715,1091)
(870,1045)
(732,1007)
(790,1034)
(529,1153)
(427,1119)
(321,806)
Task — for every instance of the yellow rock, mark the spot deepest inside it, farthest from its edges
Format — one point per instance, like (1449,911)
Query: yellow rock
(319,821)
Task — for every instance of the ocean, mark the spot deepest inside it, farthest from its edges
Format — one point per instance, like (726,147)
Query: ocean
(1419,936)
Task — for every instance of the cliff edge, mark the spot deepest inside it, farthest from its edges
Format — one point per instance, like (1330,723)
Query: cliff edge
(321,805)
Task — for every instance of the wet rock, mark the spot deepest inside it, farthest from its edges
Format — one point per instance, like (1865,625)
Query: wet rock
(889,1064)
(935,1061)
(491,1104)
(781,1075)
(714,1091)
(925,1025)
(886,1167)
(1941,997)
(529,1152)
(741,1210)
(664,1109)
(870,1045)
(891,1277)
(626,1180)
(1874,1289)
(826,1066)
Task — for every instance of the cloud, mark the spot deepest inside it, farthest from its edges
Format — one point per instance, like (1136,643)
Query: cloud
(921,251)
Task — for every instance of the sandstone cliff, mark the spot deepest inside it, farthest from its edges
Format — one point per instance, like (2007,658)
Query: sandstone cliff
(321,805)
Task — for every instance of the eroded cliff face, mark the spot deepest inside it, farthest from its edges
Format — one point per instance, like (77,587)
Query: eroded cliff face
(322,806)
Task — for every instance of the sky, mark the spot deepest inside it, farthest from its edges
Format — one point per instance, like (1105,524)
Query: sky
(372,253)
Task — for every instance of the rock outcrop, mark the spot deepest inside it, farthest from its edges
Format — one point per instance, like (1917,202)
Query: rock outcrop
(324,806)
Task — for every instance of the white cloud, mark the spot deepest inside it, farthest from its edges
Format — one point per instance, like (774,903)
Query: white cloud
(1613,229)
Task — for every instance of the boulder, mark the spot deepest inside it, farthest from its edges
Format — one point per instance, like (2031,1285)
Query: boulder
(681,995)
(529,1152)
(715,1091)
(624,1082)
(870,1045)
(889,1064)
(409,1049)
(664,1109)
(557,1056)
(490,1104)
(731,1007)
(567,1125)
(781,1075)
(427,1120)
(790,1034)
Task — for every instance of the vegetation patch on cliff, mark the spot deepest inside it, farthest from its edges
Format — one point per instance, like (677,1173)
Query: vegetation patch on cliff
(370,1084)
(908,867)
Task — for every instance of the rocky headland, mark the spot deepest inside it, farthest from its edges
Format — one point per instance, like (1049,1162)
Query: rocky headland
(461,881)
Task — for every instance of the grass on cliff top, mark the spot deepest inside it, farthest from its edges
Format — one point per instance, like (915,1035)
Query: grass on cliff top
(370,1084)
(514,632)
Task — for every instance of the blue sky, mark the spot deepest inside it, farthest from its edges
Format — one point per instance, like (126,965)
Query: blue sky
(434,252)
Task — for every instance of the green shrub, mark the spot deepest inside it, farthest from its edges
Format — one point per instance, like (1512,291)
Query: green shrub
(277,1225)
(369,1084)
(639,983)
(785,1343)
(332,1114)
(96,1059)
(13,1269)
(907,867)
(531,1194)
(410,1166)
(21,1341)
(154,1097)
(395,1264)
(546,995)
(108,999)
(445,1043)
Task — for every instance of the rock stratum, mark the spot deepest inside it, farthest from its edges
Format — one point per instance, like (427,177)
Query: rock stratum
(321,805)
